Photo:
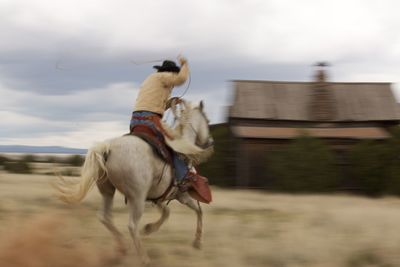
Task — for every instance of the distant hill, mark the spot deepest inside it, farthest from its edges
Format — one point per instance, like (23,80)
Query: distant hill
(66,150)
(40,149)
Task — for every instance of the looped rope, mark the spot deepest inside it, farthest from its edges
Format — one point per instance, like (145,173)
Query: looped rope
(145,61)
(187,86)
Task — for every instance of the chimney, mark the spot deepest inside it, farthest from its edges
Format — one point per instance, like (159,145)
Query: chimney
(323,105)
(320,76)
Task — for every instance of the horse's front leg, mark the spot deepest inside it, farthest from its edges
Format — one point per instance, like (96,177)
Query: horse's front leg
(152,227)
(194,205)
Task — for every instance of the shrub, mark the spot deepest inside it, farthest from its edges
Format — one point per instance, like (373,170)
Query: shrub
(305,165)
(29,158)
(17,167)
(367,168)
(75,160)
(376,167)
(219,169)
(3,159)
(392,183)
(54,159)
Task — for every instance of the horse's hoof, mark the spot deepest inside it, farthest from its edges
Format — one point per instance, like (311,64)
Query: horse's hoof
(148,229)
(122,250)
(145,260)
(112,261)
(197,244)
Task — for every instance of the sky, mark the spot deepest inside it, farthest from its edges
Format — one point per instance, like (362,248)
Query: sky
(70,70)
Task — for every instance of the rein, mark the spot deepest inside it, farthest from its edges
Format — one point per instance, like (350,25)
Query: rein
(165,194)
(210,141)
(205,146)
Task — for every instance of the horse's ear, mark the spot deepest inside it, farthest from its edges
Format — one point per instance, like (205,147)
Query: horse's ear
(201,106)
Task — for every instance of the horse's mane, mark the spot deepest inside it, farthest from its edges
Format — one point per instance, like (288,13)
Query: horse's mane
(179,143)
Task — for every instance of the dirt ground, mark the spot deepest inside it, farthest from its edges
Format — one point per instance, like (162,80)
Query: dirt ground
(241,228)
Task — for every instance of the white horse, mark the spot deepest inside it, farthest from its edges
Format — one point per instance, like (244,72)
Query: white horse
(129,165)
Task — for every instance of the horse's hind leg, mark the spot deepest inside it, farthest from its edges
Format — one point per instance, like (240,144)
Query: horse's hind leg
(136,207)
(107,191)
(194,205)
(152,227)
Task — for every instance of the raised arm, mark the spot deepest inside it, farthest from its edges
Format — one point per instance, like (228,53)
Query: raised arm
(173,79)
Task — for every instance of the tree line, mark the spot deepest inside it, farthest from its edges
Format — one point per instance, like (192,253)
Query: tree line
(25,163)
(310,165)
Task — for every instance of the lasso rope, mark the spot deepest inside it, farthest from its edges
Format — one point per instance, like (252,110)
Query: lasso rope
(145,62)
(187,86)
(58,66)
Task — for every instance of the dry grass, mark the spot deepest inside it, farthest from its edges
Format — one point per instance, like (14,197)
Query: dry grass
(242,228)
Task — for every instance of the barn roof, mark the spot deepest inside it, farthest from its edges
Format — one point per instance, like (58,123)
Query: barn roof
(275,100)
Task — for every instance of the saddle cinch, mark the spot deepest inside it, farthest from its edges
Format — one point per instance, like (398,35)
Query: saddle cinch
(199,188)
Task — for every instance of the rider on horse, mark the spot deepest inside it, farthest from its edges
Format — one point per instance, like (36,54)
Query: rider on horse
(153,100)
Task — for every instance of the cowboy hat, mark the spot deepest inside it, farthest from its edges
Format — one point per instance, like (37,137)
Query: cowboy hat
(168,66)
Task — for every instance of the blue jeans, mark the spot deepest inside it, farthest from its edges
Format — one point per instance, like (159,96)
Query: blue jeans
(181,169)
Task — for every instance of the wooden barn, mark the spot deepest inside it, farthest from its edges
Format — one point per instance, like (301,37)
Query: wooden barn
(267,114)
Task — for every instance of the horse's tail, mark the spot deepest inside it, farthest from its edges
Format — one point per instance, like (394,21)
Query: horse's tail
(93,170)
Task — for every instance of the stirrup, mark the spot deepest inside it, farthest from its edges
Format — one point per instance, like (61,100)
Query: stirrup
(184,185)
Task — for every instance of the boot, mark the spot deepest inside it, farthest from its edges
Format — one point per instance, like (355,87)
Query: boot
(197,187)
(187,182)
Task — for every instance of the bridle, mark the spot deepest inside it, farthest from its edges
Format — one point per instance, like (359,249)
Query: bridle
(210,140)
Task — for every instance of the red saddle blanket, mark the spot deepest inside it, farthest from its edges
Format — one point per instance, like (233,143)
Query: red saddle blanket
(159,146)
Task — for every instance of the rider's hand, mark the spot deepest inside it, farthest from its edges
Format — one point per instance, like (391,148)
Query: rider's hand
(175,100)
(182,60)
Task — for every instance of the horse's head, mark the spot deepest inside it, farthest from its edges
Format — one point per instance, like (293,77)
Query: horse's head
(196,127)
(193,133)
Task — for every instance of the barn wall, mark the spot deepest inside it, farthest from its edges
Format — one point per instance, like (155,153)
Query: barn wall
(251,162)
(252,165)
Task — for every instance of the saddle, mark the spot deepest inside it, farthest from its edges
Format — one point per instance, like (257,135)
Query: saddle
(150,136)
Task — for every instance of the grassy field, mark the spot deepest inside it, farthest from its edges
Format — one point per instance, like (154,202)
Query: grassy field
(241,228)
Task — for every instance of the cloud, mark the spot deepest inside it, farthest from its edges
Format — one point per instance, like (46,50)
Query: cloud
(272,31)
(96,42)
(83,136)
(114,100)
(16,128)
(77,119)
(65,65)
